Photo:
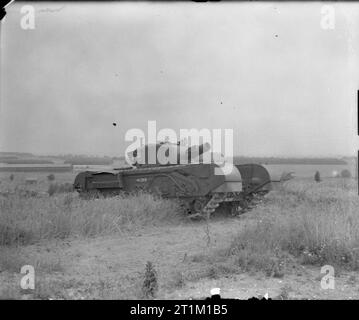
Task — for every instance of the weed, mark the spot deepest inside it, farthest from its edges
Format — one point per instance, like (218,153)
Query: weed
(150,285)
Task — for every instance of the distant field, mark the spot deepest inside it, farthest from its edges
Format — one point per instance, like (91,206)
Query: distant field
(89,161)
(308,171)
(35,168)
(290,161)
(42,184)
(27,161)
(275,170)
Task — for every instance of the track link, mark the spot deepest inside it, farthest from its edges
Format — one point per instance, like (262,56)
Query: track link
(210,206)
(239,207)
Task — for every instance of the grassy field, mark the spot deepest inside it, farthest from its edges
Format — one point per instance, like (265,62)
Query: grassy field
(315,223)
(79,246)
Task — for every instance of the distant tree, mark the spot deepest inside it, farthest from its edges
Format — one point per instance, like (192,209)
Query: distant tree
(12,177)
(51,177)
(317,177)
(345,173)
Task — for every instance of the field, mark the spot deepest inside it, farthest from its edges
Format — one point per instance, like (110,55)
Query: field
(308,171)
(99,249)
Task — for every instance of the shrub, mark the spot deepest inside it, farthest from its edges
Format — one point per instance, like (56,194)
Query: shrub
(345,173)
(317,177)
(51,177)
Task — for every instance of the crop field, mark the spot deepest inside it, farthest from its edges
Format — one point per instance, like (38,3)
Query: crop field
(101,248)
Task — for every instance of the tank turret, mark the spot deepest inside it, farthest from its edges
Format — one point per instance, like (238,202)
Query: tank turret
(166,153)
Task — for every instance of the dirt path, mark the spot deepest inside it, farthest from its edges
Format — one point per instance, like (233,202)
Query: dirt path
(167,247)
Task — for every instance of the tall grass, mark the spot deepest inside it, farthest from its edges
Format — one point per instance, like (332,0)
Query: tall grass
(318,223)
(27,220)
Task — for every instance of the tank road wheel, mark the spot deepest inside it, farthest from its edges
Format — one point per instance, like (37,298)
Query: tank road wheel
(248,203)
(243,206)
(196,207)
(235,209)
(186,206)
(230,208)
(206,206)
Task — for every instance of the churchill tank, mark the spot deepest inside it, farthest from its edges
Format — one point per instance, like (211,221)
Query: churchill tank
(194,175)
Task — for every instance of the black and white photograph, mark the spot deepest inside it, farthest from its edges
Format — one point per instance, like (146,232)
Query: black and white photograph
(157,150)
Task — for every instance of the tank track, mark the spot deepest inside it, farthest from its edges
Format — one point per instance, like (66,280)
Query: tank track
(209,207)
(236,207)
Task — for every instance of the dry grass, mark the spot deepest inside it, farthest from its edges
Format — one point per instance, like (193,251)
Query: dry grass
(318,223)
(60,188)
(74,289)
(12,259)
(25,220)
(304,222)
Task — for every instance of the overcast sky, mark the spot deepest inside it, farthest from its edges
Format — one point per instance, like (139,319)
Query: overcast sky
(270,72)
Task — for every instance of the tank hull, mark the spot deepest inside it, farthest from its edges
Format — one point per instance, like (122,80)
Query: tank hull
(199,186)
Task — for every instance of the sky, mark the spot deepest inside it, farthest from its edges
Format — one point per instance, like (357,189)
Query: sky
(269,71)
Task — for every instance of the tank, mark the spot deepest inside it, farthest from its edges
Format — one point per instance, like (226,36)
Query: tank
(201,186)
